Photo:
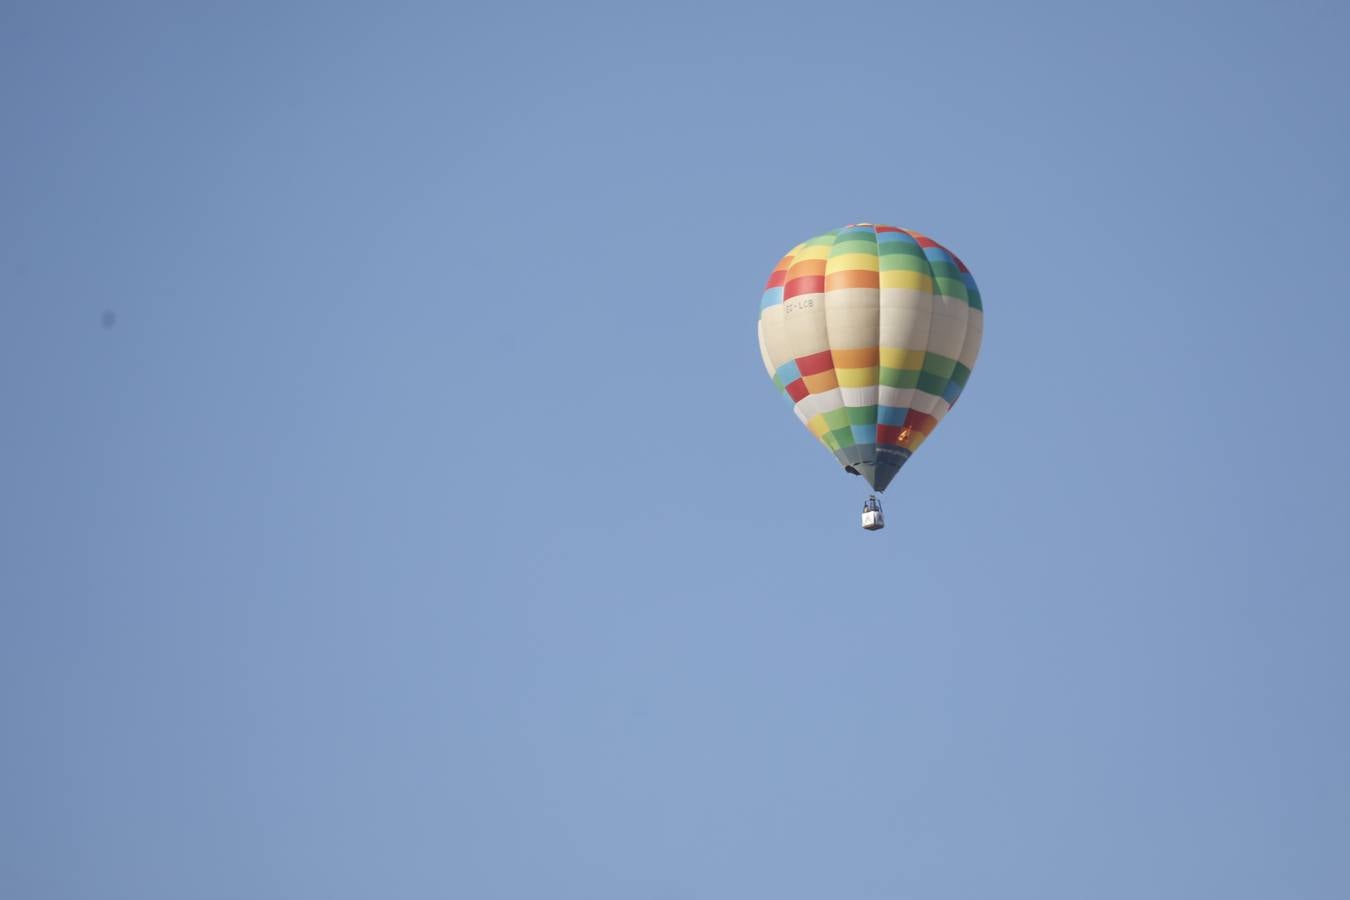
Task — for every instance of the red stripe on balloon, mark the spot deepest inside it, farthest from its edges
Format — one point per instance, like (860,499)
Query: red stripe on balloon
(806,284)
(816,363)
(890,435)
(921,422)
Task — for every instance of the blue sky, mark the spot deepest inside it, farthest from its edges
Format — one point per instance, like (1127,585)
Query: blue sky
(426,525)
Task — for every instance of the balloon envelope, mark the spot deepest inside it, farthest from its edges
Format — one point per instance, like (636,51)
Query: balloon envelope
(871,331)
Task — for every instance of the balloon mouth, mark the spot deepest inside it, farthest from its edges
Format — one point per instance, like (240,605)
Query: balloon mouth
(877,471)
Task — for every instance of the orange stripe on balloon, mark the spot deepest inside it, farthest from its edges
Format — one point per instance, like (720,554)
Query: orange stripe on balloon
(819,384)
(861,358)
(806,267)
(852,278)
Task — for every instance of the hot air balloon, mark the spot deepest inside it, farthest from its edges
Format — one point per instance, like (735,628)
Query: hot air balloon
(871,332)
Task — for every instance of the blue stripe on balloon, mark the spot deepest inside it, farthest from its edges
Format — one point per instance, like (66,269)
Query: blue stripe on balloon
(892,415)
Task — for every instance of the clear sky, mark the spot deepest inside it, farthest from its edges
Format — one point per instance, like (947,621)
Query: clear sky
(394,504)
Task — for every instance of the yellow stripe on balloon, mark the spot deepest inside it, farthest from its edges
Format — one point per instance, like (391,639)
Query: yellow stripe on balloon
(893,358)
(903,278)
(863,262)
(856,378)
(814,251)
